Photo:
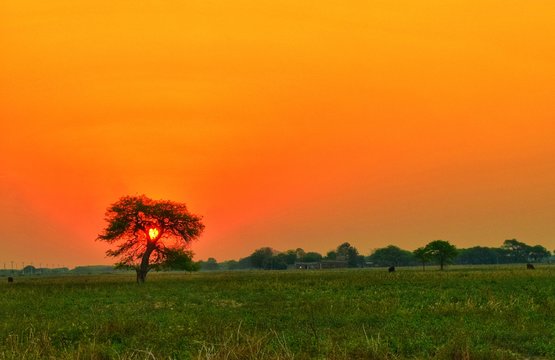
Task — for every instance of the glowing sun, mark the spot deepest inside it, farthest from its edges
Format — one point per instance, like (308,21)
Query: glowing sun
(153,233)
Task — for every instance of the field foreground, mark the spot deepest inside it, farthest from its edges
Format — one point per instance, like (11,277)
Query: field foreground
(472,313)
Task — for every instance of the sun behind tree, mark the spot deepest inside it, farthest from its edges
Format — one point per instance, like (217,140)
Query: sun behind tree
(145,231)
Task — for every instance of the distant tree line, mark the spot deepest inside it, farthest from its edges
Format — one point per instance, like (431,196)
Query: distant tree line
(79,270)
(438,252)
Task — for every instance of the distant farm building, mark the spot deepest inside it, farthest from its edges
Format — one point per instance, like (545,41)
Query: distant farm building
(308,265)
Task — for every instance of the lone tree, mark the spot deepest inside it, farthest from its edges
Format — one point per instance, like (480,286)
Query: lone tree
(148,233)
(441,251)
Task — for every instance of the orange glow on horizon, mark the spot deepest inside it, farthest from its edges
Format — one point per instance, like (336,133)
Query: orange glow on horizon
(283,123)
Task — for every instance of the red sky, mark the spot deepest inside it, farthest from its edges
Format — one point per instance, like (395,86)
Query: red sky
(284,123)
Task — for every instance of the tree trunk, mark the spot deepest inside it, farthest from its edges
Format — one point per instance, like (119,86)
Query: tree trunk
(441,265)
(141,276)
(143,268)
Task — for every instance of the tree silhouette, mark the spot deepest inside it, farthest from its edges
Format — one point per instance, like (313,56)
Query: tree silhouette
(423,255)
(348,253)
(478,255)
(210,264)
(312,256)
(391,256)
(262,258)
(537,253)
(442,251)
(516,251)
(179,259)
(148,232)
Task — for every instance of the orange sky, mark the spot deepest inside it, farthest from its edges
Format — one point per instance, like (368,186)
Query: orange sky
(285,123)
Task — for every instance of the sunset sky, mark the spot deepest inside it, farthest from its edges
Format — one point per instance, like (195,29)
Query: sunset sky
(284,123)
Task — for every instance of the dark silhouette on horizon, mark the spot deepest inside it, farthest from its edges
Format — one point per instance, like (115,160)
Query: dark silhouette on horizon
(140,226)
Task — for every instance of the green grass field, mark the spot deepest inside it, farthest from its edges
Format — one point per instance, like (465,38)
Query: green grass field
(467,313)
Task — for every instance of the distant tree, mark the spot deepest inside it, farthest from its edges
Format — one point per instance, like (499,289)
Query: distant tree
(537,253)
(244,263)
(331,255)
(59,270)
(350,254)
(210,265)
(343,251)
(179,259)
(478,255)
(300,254)
(516,251)
(441,251)
(423,256)
(278,262)
(312,257)
(360,261)
(391,256)
(290,257)
(147,231)
(29,270)
(230,265)
(261,258)
(93,269)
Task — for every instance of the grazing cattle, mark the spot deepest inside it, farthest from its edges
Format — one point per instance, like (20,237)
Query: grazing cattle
(10,279)
(391,269)
(530,267)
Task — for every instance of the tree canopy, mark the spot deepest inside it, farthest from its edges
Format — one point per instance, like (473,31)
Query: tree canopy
(441,251)
(349,253)
(261,258)
(179,259)
(516,251)
(146,233)
(479,255)
(422,255)
(391,256)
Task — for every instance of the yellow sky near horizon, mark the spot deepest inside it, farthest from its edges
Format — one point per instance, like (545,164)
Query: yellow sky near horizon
(285,124)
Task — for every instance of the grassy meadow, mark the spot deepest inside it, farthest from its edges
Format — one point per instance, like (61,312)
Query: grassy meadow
(461,313)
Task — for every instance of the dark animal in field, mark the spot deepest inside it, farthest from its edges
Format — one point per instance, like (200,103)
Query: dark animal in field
(530,267)
(10,279)
(391,269)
